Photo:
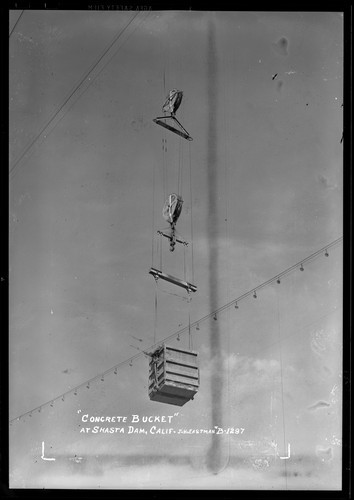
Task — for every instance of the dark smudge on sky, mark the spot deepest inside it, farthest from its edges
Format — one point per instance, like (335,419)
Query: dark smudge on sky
(280,85)
(214,454)
(281,47)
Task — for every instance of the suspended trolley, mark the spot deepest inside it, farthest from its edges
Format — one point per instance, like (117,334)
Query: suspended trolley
(173,373)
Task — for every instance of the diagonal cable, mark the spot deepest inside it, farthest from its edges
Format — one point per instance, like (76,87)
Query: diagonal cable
(195,324)
(76,88)
(16,23)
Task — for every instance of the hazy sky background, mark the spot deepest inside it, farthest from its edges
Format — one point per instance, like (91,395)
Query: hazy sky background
(81,226)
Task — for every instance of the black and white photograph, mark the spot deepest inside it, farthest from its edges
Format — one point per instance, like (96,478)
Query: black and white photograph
(175,249)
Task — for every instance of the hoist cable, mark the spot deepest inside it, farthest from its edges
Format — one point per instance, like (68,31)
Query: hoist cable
(160,251)
(184,263)
(191,211)
(180,167)
(164,140)
(192,325)
(171,293)
(189,327)
(153,216)
(164,150)
(165,167)
(155,314)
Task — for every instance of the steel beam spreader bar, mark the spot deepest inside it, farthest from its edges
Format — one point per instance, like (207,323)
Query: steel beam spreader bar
(172,279)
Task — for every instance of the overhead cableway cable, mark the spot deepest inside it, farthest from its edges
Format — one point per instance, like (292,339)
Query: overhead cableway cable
(16,23)
(76,88)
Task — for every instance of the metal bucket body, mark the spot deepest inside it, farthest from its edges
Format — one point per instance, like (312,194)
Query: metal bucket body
(173,375)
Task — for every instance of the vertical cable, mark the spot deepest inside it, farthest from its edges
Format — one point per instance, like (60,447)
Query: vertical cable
(155,318)
(164,79)
(165,84)
(160,251)
(153,215)
(167,64)
(164,145)
(178,169)
(157,248)
(163,164)
(182,162)
(191,204)
(180,166)
(184,263)
(189,323)
(164,167)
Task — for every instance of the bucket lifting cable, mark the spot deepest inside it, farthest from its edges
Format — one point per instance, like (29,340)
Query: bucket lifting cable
(169,121)
(173,205)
